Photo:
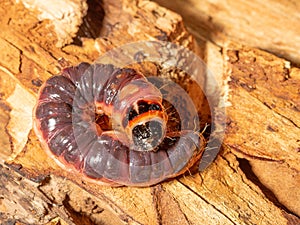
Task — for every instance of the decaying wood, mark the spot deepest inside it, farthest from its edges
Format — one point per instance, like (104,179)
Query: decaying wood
(255,178)
(270,25)
(267,89)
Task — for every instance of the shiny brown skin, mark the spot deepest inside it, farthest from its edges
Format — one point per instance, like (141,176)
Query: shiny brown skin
(65,120)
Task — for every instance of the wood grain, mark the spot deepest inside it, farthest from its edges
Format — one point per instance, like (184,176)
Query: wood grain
(269,25)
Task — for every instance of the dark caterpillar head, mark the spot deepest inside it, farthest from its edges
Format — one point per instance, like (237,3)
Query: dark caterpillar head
(145,124)
(140,114)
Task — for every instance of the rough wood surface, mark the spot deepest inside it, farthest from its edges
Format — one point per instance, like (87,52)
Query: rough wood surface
(271,25)
(254,180)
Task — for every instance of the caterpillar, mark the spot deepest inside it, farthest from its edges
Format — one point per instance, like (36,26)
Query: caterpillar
(114,126)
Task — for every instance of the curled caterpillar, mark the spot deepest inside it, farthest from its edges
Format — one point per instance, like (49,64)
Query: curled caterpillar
(112,125)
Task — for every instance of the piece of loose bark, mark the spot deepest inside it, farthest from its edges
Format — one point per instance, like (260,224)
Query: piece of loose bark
(264,118)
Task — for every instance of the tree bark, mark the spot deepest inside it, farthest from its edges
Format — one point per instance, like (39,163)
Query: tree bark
(255,178)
